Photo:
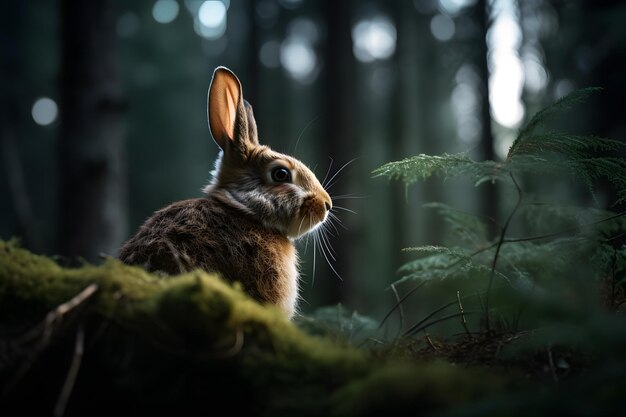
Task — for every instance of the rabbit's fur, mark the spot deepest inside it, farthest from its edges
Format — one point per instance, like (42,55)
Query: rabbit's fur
(257,203)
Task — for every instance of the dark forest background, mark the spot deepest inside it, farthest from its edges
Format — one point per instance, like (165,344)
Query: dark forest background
(103,111)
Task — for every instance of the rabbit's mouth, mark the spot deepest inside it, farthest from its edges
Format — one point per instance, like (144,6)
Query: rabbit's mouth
(312,213)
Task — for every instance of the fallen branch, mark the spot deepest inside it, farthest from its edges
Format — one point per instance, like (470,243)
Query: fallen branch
(53,317)
(70,380)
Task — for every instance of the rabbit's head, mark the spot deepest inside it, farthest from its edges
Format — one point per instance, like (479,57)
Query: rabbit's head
(278,190)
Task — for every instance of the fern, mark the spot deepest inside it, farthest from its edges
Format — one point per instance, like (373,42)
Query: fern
(564,103)
(532,152)
(469,228)
(567,244)
(422,167)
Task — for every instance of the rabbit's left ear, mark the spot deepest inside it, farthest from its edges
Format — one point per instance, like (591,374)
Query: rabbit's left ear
(228,119)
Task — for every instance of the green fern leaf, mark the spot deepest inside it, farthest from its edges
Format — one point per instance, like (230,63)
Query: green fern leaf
(466,226)
(564,103)
(422,167)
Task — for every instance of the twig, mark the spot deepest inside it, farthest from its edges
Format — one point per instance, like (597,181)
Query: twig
(400,309)
(47,323)
(463,321)
(551,362)
(498,247)
(412,330)
(545,236)
(399,304)
(61,310)
(430,342)
(439,320)
(70,380)
(565,231)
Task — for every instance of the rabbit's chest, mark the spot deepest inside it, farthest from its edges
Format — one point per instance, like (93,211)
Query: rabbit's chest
(266,263)
(289,292)
(276,274)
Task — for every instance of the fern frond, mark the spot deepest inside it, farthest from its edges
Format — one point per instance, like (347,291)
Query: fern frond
(436,268)
(609,168)
(575,164)
(466,226)
(551,258)
(435,257)
(564,103)
(546,217)
(570,146)
(422,167)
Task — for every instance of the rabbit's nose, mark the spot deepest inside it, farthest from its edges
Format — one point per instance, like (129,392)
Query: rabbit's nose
(328,202)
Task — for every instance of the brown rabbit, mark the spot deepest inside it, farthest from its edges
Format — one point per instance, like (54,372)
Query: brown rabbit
(257,203)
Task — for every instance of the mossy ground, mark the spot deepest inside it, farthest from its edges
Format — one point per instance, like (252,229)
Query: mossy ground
(193,344)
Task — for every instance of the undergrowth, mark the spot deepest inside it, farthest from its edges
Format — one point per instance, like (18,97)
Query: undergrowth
(544,299)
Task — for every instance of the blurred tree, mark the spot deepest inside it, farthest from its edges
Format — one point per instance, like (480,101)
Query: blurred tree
(9,116)
(93,212)
(481,13)
(338,113)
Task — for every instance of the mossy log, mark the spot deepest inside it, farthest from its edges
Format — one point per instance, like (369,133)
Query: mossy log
(98,340)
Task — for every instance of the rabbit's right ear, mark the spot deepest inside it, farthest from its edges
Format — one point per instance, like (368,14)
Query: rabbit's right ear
(226,111)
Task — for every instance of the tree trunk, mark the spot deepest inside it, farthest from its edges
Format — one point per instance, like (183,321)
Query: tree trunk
(18,193)
(490,192)
(338,115)
(93,200)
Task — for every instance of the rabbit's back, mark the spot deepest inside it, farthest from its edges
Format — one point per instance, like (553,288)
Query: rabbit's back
(205,233)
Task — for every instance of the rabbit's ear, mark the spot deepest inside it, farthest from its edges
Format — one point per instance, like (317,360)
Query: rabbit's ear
(226,112)
(253,135)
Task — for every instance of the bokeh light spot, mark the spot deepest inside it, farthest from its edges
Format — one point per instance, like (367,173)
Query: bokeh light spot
(165,11)
(374,39)
(269,54)
(298,58)
(212,14)
(442,27)
(453,7)
(45,111)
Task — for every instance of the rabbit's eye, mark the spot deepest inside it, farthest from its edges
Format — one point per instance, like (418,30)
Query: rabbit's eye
(281,174)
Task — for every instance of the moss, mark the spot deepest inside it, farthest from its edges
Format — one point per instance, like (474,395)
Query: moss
(422,387)
(194,342)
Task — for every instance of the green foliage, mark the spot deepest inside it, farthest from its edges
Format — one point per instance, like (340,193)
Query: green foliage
(553,278)
(422,167)
(533,152)
(339,323)
(565,256)
(564,103)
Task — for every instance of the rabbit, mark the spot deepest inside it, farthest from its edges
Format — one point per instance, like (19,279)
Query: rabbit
(257,204)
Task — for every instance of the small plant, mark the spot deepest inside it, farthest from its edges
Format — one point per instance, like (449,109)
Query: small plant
(555,266)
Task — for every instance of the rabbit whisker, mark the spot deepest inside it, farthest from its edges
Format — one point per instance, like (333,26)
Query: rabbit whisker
(329,263)
(329,248)
(345,209)
(327,228)
(328,184)
(314,256)
(324,232)
(302,133)
(348,197)
(333,218)
(300,227)
(328,171)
